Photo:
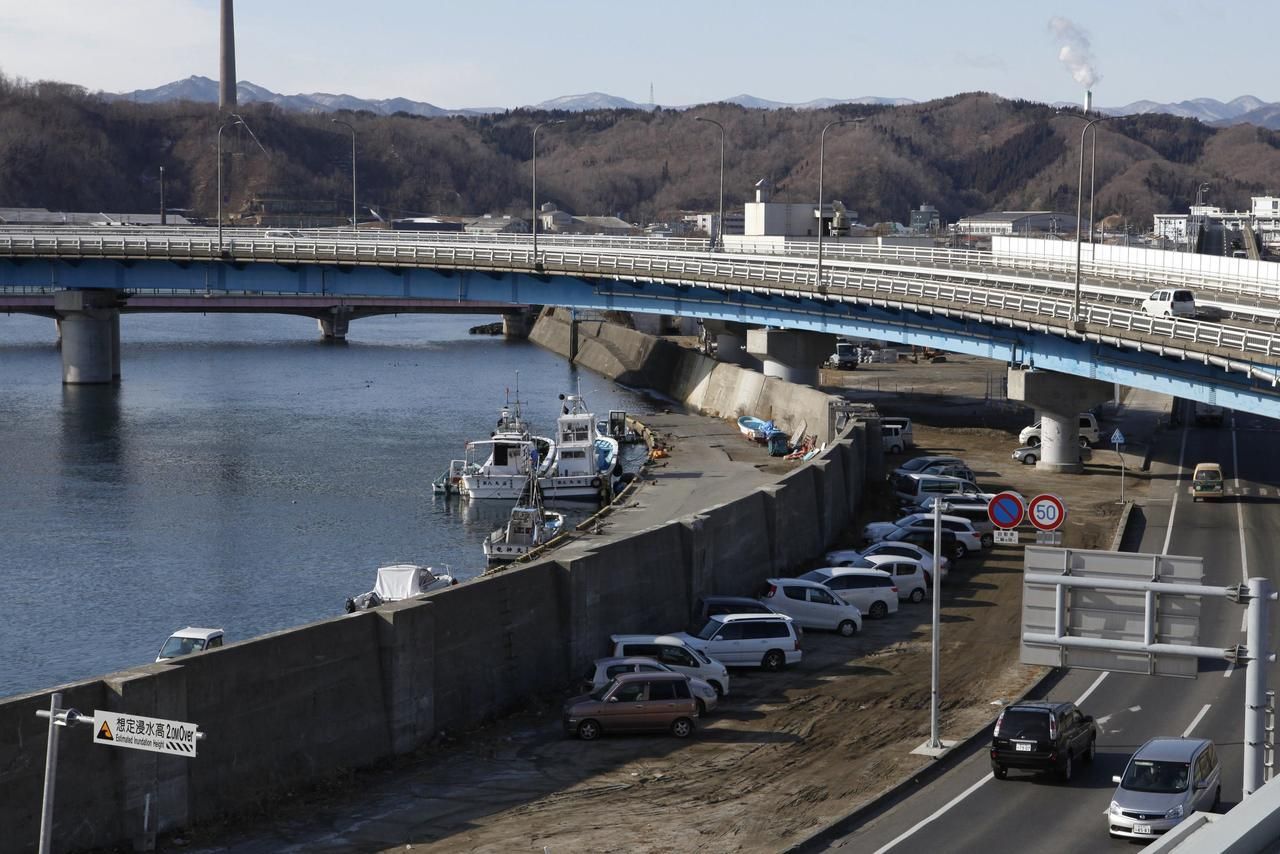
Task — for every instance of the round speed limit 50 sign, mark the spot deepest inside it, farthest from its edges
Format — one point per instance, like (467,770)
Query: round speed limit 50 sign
(1047,512)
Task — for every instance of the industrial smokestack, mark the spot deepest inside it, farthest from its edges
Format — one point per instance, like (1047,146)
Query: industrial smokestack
(1088,99)
(227,79)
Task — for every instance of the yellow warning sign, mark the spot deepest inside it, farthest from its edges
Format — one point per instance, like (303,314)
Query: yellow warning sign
(104,732)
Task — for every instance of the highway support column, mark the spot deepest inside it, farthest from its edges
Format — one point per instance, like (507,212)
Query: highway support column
(89,326)
(517,325)
(1059,399)
(790,355)
(730,340)
(335,325)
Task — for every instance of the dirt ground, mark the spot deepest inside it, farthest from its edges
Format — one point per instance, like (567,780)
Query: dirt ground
(786,753)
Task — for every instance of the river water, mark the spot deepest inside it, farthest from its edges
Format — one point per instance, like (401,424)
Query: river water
(244,475)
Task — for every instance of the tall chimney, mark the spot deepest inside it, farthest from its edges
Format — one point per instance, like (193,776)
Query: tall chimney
(1088,95)
(227,78)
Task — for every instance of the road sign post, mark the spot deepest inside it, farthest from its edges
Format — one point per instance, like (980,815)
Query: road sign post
(57,717)
(1079,610)
(1117,439)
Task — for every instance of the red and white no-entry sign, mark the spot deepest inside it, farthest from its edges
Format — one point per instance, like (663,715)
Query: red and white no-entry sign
(1047,512)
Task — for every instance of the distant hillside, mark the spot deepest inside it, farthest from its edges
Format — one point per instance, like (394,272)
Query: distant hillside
(66,149)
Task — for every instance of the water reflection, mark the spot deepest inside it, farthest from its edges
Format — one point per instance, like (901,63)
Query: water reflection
(92,435)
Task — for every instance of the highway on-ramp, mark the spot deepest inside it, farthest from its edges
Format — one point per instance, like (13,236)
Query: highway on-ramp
(967,809)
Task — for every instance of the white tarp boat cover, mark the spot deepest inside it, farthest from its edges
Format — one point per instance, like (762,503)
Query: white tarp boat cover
(400,581)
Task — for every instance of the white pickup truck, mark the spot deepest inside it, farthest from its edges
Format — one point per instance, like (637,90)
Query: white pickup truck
(845,358)
(1089,432)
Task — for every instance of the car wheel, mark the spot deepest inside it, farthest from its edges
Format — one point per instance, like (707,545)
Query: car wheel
(702,709)
(719,688)
(1084,443)
(774,660)
(988,540)
(1029,459)
(917,595)
(588,730)
(879,610)
(961,550)
(1067,770)
(1092,751)
(682,728)
(1033,441)
(999,771)
(848,628)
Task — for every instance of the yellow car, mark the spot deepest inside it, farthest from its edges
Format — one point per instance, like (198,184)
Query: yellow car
(1207,481)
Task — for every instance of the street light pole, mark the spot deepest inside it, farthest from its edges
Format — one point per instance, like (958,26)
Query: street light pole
(935,743)
(233,120)
(822,151)
(535,183)
(1093,166)
(719,235)
(1075,306)
(348,126)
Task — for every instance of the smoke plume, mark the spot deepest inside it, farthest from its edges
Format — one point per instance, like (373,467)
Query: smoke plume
(1076,53)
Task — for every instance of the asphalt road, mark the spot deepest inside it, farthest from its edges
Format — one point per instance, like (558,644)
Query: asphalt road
(968,810)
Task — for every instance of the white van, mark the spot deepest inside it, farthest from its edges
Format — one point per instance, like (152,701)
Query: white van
(676,655)
(812,605)
(771,641)
(1090,433)
(912,489)
(891,439)
(1170,302)
(872,590)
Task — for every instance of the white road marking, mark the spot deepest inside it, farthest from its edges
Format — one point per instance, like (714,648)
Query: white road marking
(911,831)
(1090,689)
(1244,622)
(1235,463)
(1196,720)
(1177,488)
(1135,708)
(1231,668)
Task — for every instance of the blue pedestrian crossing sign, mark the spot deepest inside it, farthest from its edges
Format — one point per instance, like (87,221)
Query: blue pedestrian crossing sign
(1117,438)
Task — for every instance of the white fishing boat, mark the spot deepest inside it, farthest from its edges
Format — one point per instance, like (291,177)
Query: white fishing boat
(498,467)
(531,525)
(400,581)
(585,463)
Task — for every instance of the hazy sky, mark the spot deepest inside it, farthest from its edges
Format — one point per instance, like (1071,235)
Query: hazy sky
(464,53)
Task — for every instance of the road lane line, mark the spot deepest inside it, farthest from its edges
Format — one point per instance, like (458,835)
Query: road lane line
(1196,720)
(1235,464)
(1231,668)
(948,805)
(1177,490)
(911,831)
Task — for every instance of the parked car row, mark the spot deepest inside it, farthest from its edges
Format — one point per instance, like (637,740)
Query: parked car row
(1164,781)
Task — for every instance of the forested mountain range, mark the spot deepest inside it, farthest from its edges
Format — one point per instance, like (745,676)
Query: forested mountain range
(64,148)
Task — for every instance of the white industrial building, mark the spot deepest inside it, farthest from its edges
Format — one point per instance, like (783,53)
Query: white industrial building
(1017,222)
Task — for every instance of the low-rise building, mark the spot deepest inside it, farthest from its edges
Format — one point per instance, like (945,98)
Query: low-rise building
(489,224)
(1017,222)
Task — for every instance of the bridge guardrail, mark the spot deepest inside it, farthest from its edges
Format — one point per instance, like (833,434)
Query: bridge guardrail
(784,272)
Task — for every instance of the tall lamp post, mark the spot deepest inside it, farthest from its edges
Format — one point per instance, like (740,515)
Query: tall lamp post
(348,126)
(822,150)
(719,236)
(1075,306)
(233,120)
(535,183)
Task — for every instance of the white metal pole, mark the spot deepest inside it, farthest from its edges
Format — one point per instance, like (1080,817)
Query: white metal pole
(934,741)
(50,774)
(1255,684)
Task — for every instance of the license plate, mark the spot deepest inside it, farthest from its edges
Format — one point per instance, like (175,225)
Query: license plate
(1144,829)
(1022,747)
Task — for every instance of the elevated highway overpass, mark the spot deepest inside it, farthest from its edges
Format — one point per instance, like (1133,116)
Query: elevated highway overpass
(1017,309)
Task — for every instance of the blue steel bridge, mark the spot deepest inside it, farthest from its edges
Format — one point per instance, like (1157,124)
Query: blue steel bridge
(1018,310)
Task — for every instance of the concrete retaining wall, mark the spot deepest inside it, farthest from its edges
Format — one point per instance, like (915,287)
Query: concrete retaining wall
(294,708)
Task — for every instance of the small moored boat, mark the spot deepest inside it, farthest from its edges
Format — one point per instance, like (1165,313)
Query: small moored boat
(531,525)
(400,581)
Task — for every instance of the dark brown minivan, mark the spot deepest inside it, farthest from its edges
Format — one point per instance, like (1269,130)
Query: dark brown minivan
(634,702)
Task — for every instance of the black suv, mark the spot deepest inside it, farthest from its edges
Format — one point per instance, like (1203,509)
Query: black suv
(1042,736)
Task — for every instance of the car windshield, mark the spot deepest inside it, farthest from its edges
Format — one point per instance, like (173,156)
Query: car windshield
(1182,296)
(174,647)
(1025,723)
(700,655)
(707,631)
(917,464)
(598,694)
(1209,474)
(1144,775)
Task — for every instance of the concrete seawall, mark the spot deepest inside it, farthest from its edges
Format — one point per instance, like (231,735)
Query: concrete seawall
(296,708)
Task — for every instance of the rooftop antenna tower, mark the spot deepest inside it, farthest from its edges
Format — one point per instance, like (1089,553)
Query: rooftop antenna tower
(227,65)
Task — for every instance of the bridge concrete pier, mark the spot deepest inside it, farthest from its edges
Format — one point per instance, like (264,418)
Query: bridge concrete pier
(790,355)
(730,340)
(1059,399)
(335,326)
(89,336)
(518,324)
